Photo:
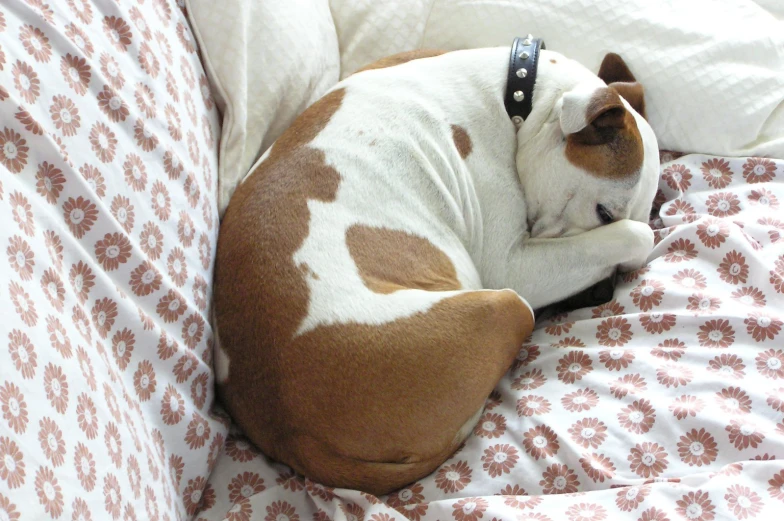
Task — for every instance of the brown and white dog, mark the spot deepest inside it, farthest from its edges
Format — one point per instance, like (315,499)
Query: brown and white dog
(376,272)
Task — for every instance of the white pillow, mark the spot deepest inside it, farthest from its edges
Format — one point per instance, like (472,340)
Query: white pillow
(774,7)
(266,62)
(713,69)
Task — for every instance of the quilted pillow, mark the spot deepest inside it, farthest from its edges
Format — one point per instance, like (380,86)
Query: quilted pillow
(108,157)
(705,64)
(267,62)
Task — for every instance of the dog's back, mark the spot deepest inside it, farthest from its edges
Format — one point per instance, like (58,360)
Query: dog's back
(356,343)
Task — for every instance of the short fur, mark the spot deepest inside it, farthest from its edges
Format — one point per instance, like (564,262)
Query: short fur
(370,270)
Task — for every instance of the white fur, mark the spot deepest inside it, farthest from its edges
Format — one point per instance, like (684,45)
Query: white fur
(392,144)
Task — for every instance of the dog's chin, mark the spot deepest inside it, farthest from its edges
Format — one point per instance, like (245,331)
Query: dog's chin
(553,232)
(546,234)
(540,229)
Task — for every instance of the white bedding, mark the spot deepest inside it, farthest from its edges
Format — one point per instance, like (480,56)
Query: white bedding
(667,403)
(713,69)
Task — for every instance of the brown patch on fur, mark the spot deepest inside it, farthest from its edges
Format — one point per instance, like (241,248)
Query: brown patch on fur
(391,260)
(462,140)
(403,57)
(371,407)
(605,104)
(552,60)
(610,146)
(376,407)
(266,222)
(305,269)
(304,129)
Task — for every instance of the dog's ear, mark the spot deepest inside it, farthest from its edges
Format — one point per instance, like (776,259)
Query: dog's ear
(614,69)
(633,93)
(616,74)
(593,116)
(601,134)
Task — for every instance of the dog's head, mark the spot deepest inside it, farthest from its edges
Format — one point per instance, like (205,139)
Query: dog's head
(586,155)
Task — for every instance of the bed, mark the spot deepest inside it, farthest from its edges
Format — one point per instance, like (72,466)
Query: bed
(126,127)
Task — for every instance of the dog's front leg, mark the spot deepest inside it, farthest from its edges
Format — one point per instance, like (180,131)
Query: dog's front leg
(544,271)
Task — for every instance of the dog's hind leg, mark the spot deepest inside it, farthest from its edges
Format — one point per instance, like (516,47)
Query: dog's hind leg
(409,390)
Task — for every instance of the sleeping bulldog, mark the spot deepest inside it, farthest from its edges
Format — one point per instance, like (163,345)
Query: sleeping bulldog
(378,269)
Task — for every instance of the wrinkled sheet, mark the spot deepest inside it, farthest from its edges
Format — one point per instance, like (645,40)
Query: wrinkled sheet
(108,226)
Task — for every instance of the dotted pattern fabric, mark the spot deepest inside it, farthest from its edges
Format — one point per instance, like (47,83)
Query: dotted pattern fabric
(107,202)
(666,403)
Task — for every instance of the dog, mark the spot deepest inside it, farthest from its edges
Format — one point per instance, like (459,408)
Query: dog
(378,270)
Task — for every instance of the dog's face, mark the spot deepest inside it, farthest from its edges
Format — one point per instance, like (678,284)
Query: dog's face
(586,155)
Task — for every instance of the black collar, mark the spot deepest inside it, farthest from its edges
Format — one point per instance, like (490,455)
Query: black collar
(523,63)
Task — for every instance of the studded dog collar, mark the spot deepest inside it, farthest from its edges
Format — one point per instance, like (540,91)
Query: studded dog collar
(523,62)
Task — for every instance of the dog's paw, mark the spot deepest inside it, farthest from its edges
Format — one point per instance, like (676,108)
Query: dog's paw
(634,241)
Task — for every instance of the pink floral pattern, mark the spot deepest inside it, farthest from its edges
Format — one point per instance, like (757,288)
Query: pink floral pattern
(96,422)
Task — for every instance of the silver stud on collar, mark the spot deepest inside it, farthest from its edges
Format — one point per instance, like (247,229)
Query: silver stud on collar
(518,95)
(529,37)
(527,41)
(517,120)
(521,73)
(524,55)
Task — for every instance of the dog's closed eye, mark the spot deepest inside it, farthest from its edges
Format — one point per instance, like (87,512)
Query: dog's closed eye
(604,214)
